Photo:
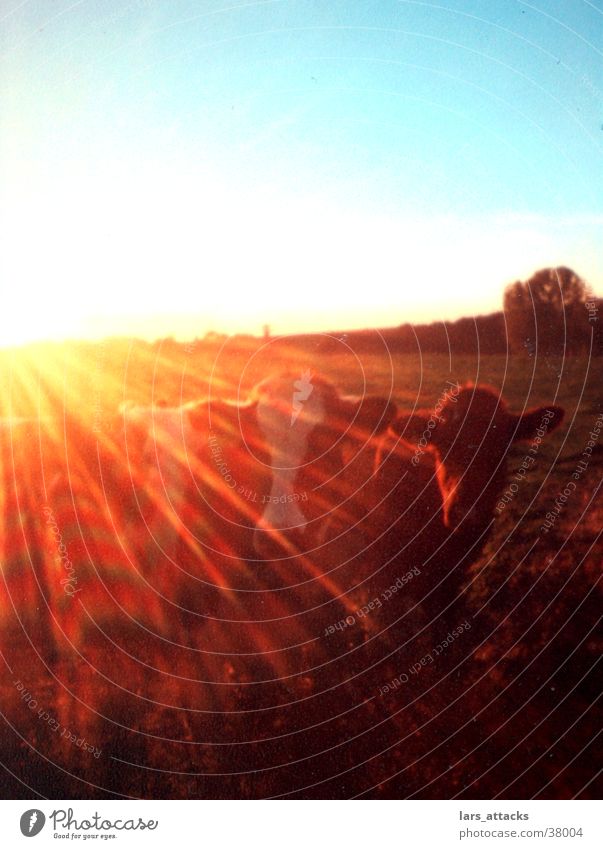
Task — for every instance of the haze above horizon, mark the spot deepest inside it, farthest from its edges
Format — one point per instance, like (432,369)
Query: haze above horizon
(304,165)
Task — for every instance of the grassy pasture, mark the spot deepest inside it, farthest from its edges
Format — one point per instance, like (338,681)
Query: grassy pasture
(510,709)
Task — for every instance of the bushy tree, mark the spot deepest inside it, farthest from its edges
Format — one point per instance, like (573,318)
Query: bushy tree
(547,314)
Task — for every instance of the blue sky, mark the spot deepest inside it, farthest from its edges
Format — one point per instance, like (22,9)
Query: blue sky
(174,167)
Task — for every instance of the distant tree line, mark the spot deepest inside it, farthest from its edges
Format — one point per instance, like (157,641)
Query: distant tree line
(551,314)
(482,334)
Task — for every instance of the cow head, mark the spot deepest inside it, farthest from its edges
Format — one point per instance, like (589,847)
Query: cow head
(470,431)
(308,430)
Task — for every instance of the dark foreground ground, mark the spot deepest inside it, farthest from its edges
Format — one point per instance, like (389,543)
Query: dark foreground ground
(501,700)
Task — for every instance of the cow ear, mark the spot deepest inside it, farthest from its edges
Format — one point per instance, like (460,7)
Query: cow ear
(410,426)
(543,419)
(370,415)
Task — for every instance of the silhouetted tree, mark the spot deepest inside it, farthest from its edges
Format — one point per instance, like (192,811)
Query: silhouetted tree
(547,314)
(594,309)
